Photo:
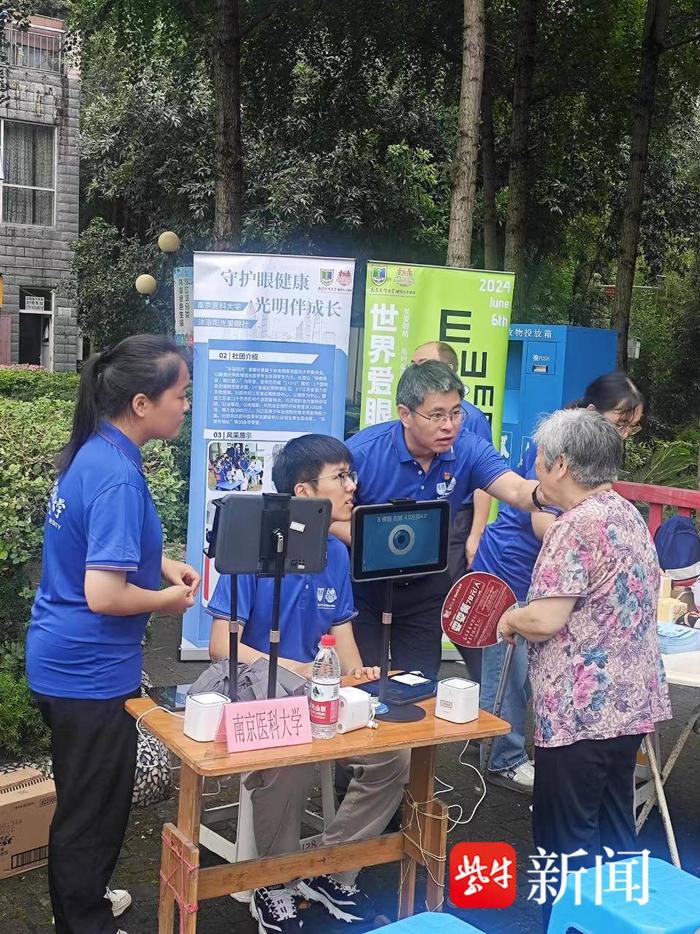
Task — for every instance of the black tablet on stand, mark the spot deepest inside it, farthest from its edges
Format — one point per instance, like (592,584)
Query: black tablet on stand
(269,534)
(390,541)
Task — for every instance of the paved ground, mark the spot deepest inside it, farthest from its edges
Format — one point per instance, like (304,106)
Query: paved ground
(24,902)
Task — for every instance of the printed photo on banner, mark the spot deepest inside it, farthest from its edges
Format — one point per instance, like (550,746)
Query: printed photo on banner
(236,467)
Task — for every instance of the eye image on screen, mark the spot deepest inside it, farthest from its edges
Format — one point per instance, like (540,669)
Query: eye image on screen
(401,540)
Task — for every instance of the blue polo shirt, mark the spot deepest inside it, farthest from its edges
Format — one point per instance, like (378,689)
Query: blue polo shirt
(100,516)
(310,605)
(387,470)
(508,547)
(476,422)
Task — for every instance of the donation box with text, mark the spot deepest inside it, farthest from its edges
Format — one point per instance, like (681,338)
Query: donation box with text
(548,366)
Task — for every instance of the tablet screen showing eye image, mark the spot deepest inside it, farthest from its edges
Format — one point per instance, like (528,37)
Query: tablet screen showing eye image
(398,540)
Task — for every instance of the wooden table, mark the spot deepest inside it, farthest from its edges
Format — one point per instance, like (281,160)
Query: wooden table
(422,841)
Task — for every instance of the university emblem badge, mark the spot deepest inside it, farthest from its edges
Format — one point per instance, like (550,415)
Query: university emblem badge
(379,275)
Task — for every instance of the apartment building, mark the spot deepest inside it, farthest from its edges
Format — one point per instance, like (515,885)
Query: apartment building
(39,165)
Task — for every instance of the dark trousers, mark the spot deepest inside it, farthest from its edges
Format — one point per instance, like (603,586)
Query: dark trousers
(584,798)
(416,631)
(93,747)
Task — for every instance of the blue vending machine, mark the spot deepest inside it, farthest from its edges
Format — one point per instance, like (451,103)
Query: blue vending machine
(549,365)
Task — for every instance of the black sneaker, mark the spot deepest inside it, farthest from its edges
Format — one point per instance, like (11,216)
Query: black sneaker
(275,910)
(346,902)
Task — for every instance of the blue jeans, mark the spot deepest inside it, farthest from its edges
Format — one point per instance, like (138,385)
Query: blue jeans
(508,751)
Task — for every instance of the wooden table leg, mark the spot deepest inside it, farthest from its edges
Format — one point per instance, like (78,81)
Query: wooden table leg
(189,806)
(429,833)
(178,882)
(166,898)
(180,858)
(436,855)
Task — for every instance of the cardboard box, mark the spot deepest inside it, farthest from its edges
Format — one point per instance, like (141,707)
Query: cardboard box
(27,803)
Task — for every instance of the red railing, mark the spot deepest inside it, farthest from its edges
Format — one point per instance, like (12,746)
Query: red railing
(685,502)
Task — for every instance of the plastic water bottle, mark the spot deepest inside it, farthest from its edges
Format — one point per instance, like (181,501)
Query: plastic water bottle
(325,690)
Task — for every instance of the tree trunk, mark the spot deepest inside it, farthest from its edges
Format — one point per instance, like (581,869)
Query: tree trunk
(465,165)
(514,260)
(655,24)
(225,52)
(488,171)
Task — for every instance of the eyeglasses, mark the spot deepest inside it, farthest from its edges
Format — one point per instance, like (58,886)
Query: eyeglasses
(631,429)
(628,429)
(343,477)
(442,418)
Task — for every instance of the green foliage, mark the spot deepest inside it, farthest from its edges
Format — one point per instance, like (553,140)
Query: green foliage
(167,488)
(663,463)
(106,265)
(348,119)
(31,433)
(22,730)
(24,384)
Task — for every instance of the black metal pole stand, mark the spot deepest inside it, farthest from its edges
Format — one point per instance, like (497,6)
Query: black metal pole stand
(233,642)
(280,551)
(386,634)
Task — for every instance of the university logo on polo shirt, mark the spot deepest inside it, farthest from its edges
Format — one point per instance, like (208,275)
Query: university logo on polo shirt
(56,506)
(445,486)
(326,597)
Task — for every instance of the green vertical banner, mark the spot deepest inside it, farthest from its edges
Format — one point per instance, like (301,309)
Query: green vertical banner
(406,306)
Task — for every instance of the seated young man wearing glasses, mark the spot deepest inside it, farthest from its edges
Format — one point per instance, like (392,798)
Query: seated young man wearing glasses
(311,606)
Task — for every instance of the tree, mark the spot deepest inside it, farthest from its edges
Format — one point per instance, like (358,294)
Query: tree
(516,234)
(465,164)
(225,57)
(488,170)
(653,42)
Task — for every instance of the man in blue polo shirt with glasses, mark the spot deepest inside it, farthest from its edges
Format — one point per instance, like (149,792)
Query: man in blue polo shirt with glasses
(424,454)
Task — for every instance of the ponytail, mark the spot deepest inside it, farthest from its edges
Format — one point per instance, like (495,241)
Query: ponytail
(143,363)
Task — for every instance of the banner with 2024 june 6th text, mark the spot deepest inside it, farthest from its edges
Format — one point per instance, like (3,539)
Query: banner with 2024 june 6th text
(406,306)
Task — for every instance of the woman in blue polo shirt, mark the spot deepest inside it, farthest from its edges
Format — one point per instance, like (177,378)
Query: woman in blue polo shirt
(101,575)
(509,549)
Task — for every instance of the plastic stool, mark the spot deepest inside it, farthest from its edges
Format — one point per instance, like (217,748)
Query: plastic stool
(673,906)
(431,922)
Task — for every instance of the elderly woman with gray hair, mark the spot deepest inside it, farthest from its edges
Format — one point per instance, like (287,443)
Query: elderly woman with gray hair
(598,683)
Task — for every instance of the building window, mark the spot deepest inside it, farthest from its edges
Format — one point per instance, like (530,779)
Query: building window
(27,180)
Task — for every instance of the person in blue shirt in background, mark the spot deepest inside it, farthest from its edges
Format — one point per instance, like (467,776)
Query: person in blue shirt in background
(102,565)
(509,548)
(311,605)
(422,455)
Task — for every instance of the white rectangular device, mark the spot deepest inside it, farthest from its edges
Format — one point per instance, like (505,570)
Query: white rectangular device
(457,700)
(354,710)
(202,715)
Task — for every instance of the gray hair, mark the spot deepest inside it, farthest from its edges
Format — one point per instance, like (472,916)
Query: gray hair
(590,443)
(419,380)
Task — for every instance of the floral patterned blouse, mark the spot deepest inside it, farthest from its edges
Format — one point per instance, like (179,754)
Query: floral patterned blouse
(600,676)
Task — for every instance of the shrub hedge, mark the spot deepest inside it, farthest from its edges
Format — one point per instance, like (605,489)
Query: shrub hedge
(33,427)
(27,384)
